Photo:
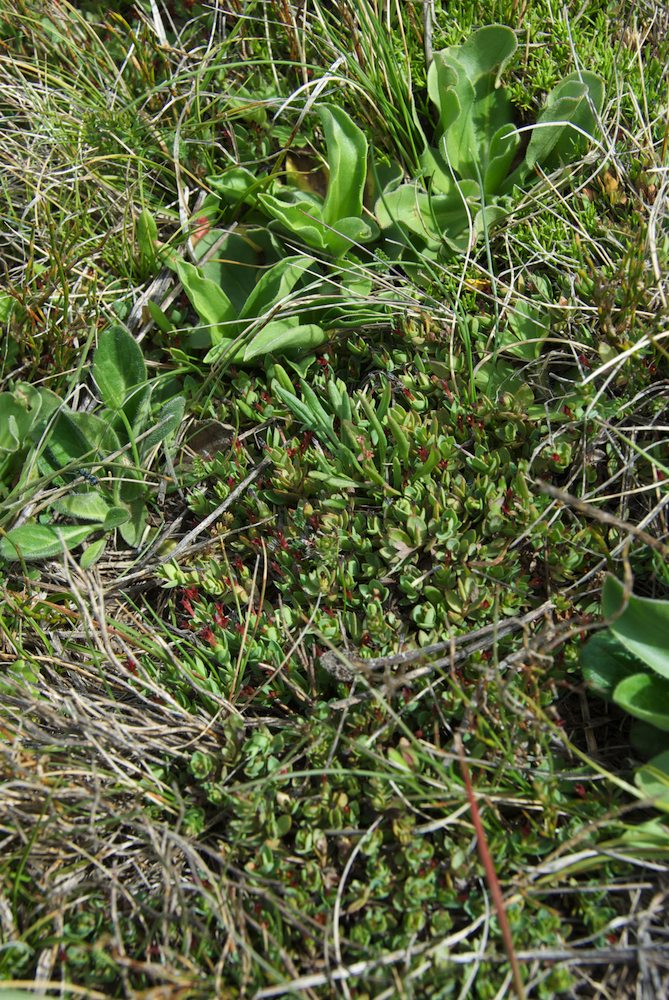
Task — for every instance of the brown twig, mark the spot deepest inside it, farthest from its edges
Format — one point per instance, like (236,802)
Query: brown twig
(602,516)
(490,873)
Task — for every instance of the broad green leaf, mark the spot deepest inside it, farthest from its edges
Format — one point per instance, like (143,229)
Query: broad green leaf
(409,207)
(501,154)
(275,285)
(575,101)
(83,506)
(116,516)
(645,697)
(33,542)
(463,82)
(7,303)
(207,298)
(347,162)
(15,423)
(605,663)
(303,218)
(346,232)
(441,81)
(653,779)
(643,626)
(89,557)
(485,53)
(647,739)
(146,232)
(279,337)
(66,443)
(118,366)
(76,437)
(132,531)
(301,213)
(164,324)
(170,417)
(651,837)
(434,218)
(236,185)
(233,266)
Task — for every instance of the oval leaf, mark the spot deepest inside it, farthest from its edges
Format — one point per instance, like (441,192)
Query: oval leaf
(645,697)
(169,418)
(643,626)
(278,338)
(347,160)
(118,366)
(90,556)
(653,779)
(208,299)
(31,542)
(83,506)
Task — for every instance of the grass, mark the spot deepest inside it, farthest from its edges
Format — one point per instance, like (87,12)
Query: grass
(321,729)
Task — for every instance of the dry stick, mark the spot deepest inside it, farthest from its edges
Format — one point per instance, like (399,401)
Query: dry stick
(490,873)
(184,546)
(345,666)
(600,515)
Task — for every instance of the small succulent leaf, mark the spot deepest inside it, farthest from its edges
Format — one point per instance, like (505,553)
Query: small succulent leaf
(294,404)
(334,481)
(347,161)
(645,697)
(280,338)
(33,542)
(571,110)
(653,780)
(118,366)
(642,627)
(528,327)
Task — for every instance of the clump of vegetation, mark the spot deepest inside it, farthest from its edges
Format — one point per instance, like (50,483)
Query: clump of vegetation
(333,384)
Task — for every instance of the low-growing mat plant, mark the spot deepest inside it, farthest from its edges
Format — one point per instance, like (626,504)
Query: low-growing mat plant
(312,678)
